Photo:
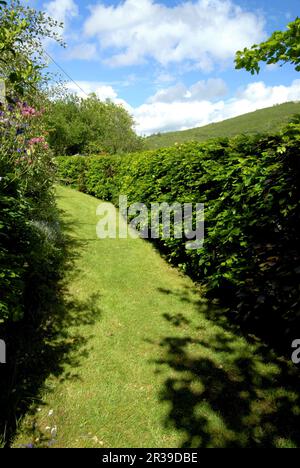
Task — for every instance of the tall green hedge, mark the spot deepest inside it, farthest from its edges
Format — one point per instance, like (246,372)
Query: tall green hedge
(250,186)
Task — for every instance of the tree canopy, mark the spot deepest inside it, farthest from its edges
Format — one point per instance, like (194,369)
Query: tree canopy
(282,47)
(90,126)
(22,32)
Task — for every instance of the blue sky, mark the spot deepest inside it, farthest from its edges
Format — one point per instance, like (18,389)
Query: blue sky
(171,62)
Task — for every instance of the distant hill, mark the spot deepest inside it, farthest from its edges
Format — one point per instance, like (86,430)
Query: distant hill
(267,120)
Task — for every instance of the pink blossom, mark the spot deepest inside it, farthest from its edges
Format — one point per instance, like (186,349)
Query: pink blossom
(27,111)
(37,140)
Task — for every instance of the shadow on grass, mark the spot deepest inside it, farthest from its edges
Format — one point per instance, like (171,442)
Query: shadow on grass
(50,341)
(225,391)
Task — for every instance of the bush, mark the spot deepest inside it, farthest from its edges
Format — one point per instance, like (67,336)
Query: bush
(78,126)
(13,240)
(28,258)
(72,171)
(250,187)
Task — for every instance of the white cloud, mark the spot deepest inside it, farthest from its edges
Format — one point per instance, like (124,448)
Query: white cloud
(212,88)
(195,111)
(174,93)
(160,116)
(164,77)
(202,90)
(102,91)
(83,51)
(61,10)
(258,92)
(204,32)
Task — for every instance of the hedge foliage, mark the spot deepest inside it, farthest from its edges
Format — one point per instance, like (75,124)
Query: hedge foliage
(250,186)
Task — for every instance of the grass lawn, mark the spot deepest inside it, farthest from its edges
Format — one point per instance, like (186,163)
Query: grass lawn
(154,365)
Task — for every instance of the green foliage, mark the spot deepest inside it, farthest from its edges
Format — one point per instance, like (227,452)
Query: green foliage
(250,187)
(29,261)
(90,126)
(13,243)
(92,175)
(72,171)
(268,120)
(282,46)
(208,386)
(26,200)
(22,31)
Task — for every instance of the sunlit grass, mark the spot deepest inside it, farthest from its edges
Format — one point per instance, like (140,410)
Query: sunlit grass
(157,369)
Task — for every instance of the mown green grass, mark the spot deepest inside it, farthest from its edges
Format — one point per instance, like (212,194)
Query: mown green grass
(158,366)
(267,120)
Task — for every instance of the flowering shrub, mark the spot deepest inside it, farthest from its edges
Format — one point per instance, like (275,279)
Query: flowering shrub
(27,203)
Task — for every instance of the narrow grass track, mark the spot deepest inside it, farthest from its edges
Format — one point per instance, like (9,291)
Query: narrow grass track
(154,365)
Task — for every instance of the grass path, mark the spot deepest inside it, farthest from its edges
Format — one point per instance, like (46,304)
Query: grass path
(151,369)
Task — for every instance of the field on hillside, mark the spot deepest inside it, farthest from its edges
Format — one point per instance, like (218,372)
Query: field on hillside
(267,120)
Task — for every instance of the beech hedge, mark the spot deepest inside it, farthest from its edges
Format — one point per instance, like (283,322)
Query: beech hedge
(250,186)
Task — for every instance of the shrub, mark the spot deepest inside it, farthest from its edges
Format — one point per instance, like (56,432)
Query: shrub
(90,126)
(13,233)
(26,202)
(72,171)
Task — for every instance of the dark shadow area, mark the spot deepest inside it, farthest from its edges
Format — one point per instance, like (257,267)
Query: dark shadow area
(225,391)
(50,338)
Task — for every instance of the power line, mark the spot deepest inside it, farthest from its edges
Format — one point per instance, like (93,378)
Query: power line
(67,74)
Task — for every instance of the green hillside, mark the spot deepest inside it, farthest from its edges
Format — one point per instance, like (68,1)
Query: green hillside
(261,121)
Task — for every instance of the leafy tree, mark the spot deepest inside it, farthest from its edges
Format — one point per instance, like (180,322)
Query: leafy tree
(111,127)
(29,247)
(22,31)
(90,126)
(66,132)
(75,125)
(282,46)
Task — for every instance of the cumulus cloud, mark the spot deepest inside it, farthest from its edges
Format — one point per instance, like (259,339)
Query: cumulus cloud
(61,10)
(102,91)
(83,51)
(164,77)
(205,89)
(163,115)
(171,94)
(203,32)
